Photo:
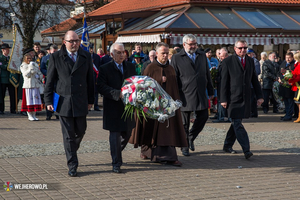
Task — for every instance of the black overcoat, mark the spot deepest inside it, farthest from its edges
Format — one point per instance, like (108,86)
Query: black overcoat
(236,86)
(269,74)
(74,82)
(109,84)
(193,80)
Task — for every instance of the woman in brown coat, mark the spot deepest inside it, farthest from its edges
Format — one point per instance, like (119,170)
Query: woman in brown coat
(161,138)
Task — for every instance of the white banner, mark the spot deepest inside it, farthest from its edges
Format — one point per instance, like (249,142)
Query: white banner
(16,54)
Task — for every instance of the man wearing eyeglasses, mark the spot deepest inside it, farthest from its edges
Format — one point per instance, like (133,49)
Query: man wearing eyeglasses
(237,75)
(193,78)
(70,75)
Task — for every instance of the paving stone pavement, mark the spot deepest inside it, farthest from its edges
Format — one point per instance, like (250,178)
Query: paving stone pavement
(32,153)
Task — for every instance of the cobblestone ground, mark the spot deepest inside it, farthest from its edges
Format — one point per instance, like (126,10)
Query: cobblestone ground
(32,153)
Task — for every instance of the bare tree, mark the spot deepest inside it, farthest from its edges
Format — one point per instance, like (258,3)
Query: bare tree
(33,15)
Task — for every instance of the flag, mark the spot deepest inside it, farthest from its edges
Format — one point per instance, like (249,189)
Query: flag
(85,42)
(15,60)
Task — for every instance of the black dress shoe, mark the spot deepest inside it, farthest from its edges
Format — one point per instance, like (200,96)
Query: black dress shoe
(214,117)
(275,111)
(1,112)
(48,118)
(72,173)
(185,153)
(248,154)
(218,121)
(116,170)
(266,112)
(13,112)
(295,116)
(191,145)
(287,119)
(97,108)
(254,115)
(281,118)
(229,150)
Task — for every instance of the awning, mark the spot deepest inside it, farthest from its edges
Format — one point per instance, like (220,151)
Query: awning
(253,40)
(277,41)
(139,39)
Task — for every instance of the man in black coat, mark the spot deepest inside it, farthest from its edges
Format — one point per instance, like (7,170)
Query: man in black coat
(44,67)
(269,75)
(222,113)
(193,78)
(285,91)
(96,61)
(71,70)
(238,72)
(109,83)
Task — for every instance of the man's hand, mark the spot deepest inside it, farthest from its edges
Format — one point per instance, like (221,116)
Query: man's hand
(50,107)
(211,97)
(164,79)
(260,101)
(90,106)
(121,95)
(224,104)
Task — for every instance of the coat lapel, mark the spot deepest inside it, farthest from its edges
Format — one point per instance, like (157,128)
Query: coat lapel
(187,59)
(239,62)
(81,59)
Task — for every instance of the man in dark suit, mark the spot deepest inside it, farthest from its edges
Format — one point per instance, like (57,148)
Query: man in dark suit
(285,92)
(105,59)
(238,72)
(110,80)
(4,80)
(269,75)
(44,67)
(71,70)
(222,113)
(96,61)
(193,78)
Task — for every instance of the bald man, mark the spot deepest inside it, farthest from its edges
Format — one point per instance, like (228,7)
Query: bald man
(70,75)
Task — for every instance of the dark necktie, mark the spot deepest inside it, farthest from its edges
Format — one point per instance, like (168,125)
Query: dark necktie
(243,62)
(120,66)
(192,58)
(73,57)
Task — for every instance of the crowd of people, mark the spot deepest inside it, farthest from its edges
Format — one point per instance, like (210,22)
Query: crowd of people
(201,81)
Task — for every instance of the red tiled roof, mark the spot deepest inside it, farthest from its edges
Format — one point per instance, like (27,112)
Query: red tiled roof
(64,25)
(119,6)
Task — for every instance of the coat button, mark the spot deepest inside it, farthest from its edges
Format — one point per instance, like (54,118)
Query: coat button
(80,85)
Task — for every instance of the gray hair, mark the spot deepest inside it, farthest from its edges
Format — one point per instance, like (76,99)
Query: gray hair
(224,49)
(189,37)
(112,47)
(241,41)
(263,53)
(152,52)
(160,44)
